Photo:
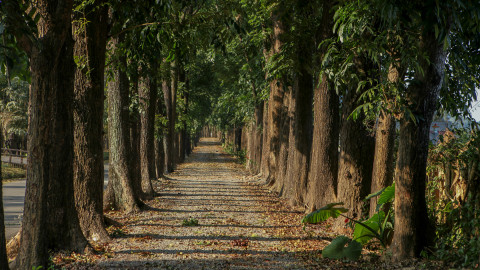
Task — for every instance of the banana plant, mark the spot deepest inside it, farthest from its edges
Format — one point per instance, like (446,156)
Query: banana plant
(376,227)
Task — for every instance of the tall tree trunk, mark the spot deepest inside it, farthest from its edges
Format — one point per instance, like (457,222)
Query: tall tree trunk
(257,138)
(413,230)
(383,164)
(120,193)
(90,45)
(148,99)
(169,134)
(300,130)
(3,242)
(274,111)
(357,147)
(50,220)
(159,158)
(286,112)
(173,94)
(321,186)
(134,155)
(160,154)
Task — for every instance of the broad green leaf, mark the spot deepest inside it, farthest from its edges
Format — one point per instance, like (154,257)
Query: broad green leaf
(364,231)
(338,250)
(387,196)
(324,213)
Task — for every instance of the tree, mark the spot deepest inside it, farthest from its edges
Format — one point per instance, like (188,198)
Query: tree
(120,194)
(50,220)
(90,28)
(148,97)
(322,176)
(3,247)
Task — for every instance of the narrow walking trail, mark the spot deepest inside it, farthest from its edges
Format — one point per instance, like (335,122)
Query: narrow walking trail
(240,225)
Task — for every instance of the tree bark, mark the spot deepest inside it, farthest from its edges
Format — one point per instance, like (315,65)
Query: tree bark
(160,154)
(257,138)
(383,164)
(274,111)
(286,112)
(90,46)
(50,220)
(148,98)
(356,159)
(300,130)
(170,132)
(413,229)
(3,242)
(120,193)
(134,154)
(321,186)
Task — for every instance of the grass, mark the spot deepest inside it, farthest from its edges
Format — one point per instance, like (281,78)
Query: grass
(9,173)
(105,155)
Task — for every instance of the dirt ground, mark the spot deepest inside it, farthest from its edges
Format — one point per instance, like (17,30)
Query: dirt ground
(209,214)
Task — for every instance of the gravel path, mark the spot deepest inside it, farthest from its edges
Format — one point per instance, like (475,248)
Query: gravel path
(240,225)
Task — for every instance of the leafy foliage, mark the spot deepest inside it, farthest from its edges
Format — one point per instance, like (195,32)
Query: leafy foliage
(343,247)
(379,226)
(324,213)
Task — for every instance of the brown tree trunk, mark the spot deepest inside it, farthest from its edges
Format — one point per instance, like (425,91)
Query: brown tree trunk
(383,164)
(90,45)
(321,186)
(274,111)
(356,159)
(159,158)
(257,138)
(3,242)
(120,193)
(148,98)
(50,220)
(170,132)
(160,154)
(323,173)
(413,230)
(134,154)
(286,112)
(300,129)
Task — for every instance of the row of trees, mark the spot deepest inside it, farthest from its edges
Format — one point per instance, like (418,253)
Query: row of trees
(300,79)
(340,77)
(146,54)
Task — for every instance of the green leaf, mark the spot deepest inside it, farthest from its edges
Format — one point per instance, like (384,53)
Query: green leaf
(387,196)
(338,250)
(373,195)
(368,229)
(324,213)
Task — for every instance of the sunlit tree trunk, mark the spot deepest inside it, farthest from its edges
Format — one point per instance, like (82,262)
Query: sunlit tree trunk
(274,110)
(147,99)
(120,194)
(50,220)
(383,164)
(90,46)
(320,188)
(413,229)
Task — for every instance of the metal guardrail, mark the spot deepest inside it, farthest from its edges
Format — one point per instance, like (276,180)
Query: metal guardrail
(16,157)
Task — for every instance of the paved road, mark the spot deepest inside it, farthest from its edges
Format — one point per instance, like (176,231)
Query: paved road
(13,198)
